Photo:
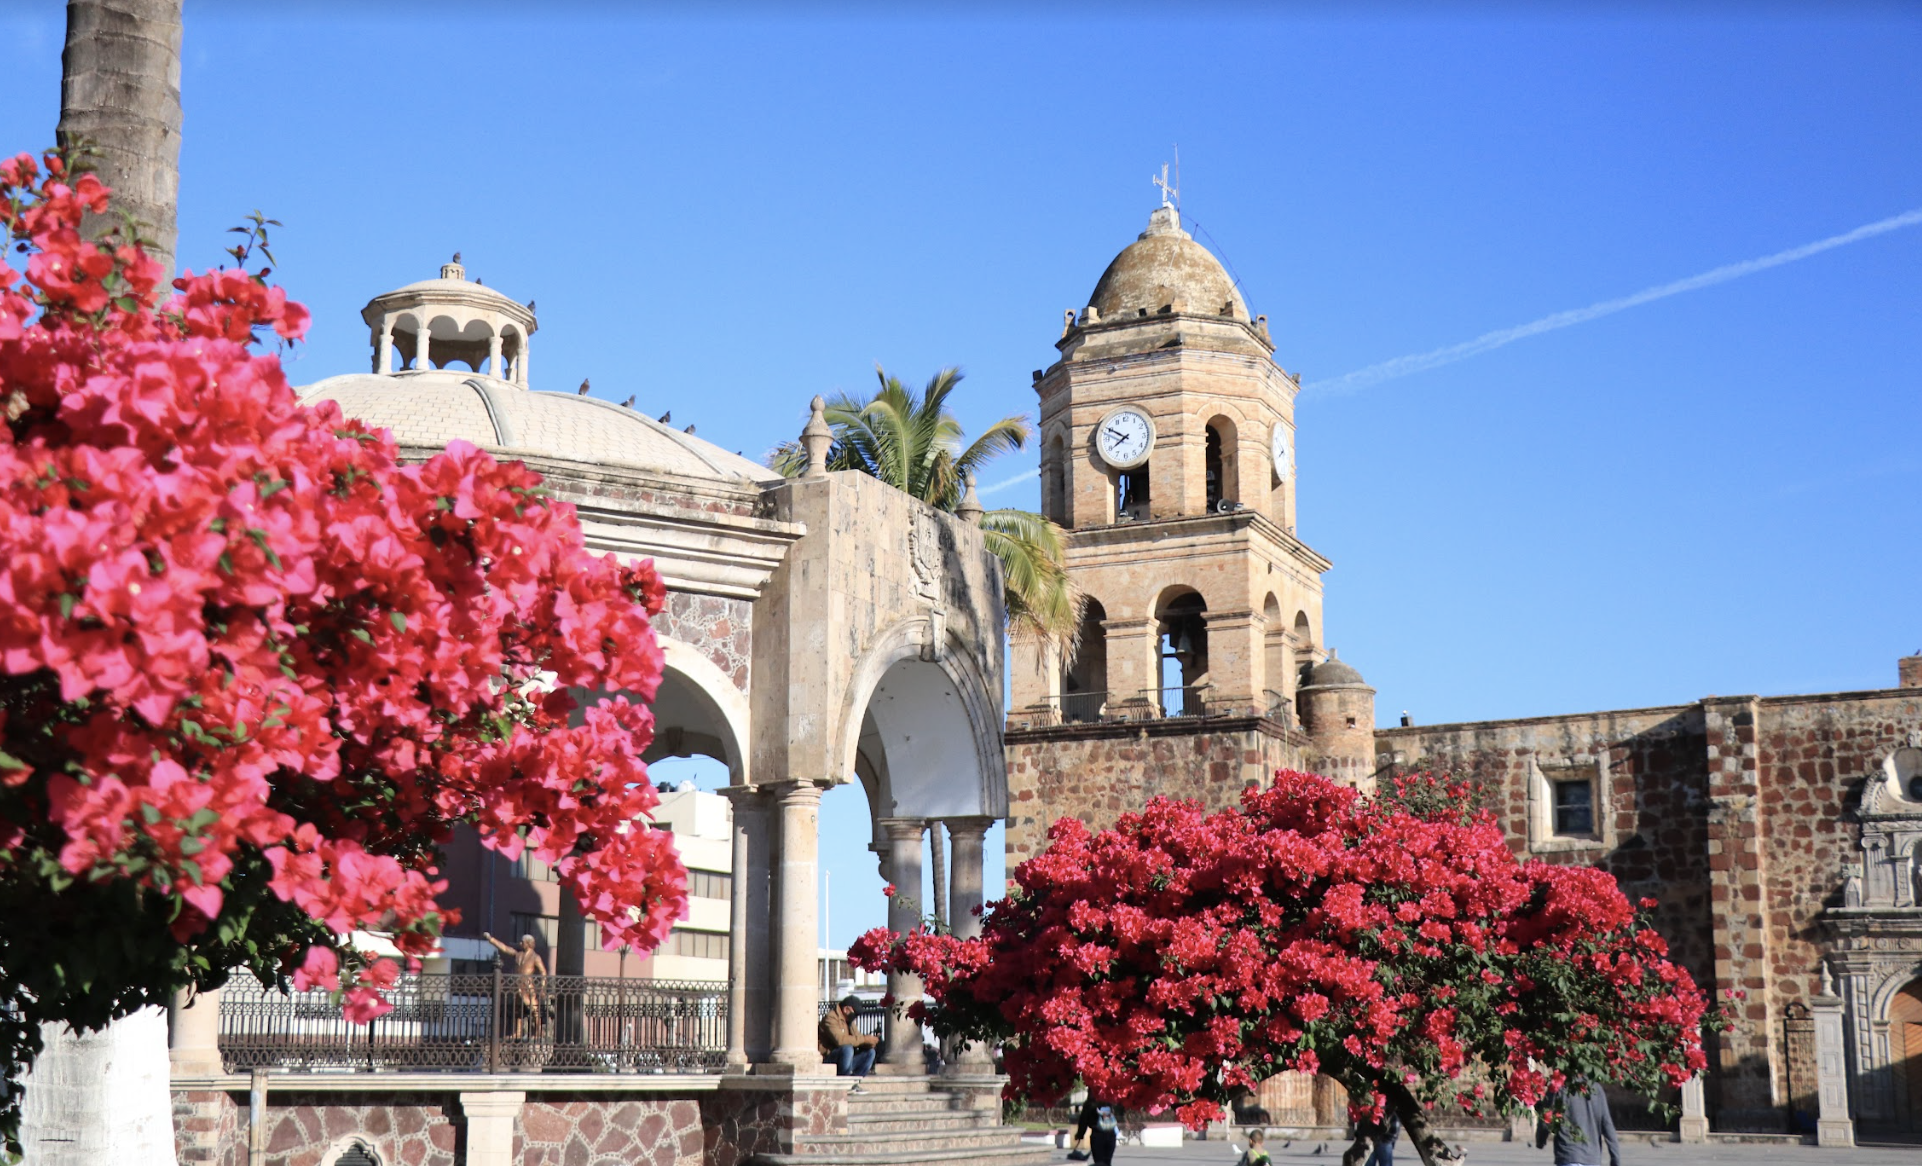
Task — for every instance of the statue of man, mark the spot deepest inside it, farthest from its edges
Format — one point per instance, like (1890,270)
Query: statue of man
(529,968)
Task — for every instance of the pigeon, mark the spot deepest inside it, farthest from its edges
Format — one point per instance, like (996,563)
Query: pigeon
(666,417)
(530,305)
(689,429)
(582,391)
(628,404)
(457,257)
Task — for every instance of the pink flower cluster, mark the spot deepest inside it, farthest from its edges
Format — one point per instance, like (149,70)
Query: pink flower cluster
(234,626)
(1180,957)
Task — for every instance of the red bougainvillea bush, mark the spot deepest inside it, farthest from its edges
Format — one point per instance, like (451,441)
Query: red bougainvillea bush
(1394,943)
(253,669)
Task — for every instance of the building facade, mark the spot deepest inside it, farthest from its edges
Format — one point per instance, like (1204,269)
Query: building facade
(1780,836)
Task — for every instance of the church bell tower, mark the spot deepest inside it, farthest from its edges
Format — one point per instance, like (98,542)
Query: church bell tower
(1168,453)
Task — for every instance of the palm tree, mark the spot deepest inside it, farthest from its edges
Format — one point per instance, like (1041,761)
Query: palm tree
(911,442)
(120,103)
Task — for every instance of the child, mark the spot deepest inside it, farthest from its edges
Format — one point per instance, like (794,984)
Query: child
(1257,1154)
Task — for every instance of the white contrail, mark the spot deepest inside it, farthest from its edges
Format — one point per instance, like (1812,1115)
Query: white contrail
(1401,366)
(1004,483)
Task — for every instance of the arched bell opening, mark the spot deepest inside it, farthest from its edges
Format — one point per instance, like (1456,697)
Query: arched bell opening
(1084,684)
(1182,631)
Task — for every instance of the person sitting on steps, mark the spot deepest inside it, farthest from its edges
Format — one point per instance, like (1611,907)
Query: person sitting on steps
(850,1051)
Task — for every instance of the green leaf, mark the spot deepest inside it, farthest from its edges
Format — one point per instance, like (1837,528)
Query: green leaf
(398,620)
(363,635)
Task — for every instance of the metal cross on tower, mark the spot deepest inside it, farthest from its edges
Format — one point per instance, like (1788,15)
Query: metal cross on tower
(1170,193)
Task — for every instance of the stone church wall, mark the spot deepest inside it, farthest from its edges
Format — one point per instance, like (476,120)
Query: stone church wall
(720,628)
(1734,814)
(1097,772)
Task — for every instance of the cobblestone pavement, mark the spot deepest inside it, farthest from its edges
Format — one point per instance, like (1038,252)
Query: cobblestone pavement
(1636,1151)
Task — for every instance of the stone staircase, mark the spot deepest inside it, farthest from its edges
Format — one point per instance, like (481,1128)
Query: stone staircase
(912,1121)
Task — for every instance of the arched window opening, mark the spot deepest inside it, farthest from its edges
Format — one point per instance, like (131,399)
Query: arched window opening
(1084,686)
(1304,646)
(356,1155)
(1182,626)
(1276,657)
(1221,468)
(1054,483)
(1131,495)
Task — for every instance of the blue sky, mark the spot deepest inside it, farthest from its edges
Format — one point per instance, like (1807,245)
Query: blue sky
(1715,492)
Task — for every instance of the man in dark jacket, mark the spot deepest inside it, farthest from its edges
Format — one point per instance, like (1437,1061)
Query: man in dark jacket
(1586,1126)
(848,1049)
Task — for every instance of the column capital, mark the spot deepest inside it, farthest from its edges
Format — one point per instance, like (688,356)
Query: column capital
(970,826)
(795,791)
(903,829)
(746,797)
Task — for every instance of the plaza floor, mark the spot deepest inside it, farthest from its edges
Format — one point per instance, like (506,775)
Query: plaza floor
(1636,1151)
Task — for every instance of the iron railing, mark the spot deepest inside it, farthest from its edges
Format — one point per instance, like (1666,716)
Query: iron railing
(1182,700)
(492,1022)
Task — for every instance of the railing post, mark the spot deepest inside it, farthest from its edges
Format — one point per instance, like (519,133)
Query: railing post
(494,1022)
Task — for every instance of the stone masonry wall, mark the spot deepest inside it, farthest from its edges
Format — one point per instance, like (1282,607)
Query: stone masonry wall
(563,1130)
(1737,816)
(719,628)
(1097,772)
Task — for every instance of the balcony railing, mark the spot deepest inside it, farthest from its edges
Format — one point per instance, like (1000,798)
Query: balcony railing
(493,1023)
(1073,708)
(1182,700)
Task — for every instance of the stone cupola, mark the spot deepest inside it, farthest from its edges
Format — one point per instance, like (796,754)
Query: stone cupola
(436,323)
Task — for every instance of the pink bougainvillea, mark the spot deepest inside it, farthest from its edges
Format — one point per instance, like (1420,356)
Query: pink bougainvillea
(1395,943)
(251,663)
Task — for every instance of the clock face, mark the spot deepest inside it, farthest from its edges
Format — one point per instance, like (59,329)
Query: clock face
(1283,449)
(1124,438)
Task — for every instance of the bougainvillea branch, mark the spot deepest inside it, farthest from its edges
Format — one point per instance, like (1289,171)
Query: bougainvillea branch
(1394,943)
(253,669)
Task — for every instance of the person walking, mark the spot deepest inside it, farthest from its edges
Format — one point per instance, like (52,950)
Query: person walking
(1385,1138)
(849,1050)
(1586,1126)
(1100,1123)
(1257,1152)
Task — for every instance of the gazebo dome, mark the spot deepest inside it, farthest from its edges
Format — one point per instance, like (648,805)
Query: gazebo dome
(1165,270)
(429,404)
(430,409)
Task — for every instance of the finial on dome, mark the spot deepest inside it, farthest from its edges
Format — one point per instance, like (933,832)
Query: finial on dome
(970,509)
(816,439)
(453,270)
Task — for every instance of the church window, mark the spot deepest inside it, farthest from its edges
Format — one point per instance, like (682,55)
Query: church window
(1574,807)
(1222,488)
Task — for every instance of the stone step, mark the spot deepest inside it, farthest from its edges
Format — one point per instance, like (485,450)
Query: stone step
(909,1121)
(871,1101)
(885,1083)
(1020,1154)
(837,1146)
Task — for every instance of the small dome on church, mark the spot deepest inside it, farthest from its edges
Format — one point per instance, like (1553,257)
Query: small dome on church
(1331,672)
(1165,270)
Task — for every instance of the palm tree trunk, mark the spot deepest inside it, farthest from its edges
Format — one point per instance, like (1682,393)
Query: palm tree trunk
(120,94)
(102,1098)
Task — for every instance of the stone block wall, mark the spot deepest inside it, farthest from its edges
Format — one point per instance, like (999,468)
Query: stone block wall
(1736,815)
(721,629)
(1097,772)
(566,1130)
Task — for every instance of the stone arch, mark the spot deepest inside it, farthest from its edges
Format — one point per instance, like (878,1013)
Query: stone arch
(924,683)
(1277,658)
(1084,683)
(701,703)
(1181,657)
(1304,636)
(1055,502)
(353,1150)
(1221,460)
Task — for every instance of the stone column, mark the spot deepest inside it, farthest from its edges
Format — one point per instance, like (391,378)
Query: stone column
(1134,666)
(384,349)
(520,365)
(494,368)
(969,836)
(1235,647)
(902,1049)
(490,1126)
(193,1046)
(421,342)
(748,1038)
(1832,1124)
(1694,1129)
(797,990)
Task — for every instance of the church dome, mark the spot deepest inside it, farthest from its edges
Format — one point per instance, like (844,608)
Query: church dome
(433,408)
(1332,673)
(1165,270)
